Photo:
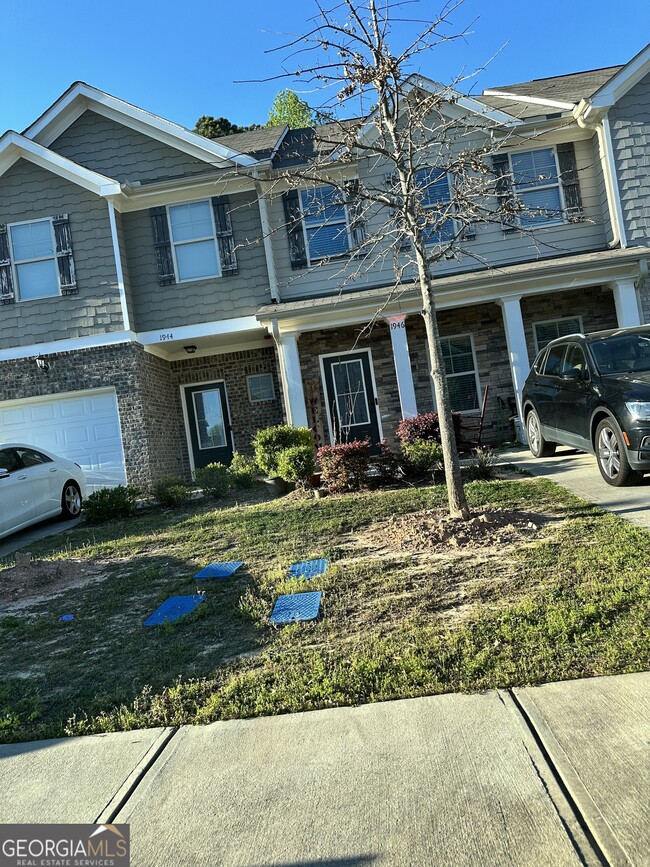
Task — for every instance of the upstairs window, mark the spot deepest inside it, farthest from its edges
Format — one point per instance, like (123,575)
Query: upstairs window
(536,183)
(193,238)
(325,222)
(32,247)
(435,195)
(36,260)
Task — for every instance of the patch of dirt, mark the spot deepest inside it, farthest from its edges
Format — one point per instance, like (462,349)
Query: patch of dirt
(432,530)
(24,585)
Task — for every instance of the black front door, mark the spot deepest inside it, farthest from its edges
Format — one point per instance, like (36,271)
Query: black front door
(350,397)
(209,424)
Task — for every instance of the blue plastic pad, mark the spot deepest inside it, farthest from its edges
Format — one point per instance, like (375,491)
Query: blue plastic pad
(173,609)
(308,569)
(219,570)
(296,606)
(66,618)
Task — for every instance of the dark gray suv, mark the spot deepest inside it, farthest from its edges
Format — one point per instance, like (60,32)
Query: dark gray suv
(592,392)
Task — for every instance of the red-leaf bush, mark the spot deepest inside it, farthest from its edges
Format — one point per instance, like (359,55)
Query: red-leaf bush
(344,467)
(425,426)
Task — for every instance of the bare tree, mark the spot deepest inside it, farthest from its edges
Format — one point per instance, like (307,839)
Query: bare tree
(414,169)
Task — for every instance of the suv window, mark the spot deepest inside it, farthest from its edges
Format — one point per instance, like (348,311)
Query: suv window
(554,359)
(575,360)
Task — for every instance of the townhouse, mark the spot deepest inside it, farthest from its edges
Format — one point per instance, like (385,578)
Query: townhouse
(163,298)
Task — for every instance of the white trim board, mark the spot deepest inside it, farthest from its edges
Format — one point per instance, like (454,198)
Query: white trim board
(93,341)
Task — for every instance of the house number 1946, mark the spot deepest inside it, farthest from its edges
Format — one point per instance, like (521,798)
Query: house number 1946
(400,323)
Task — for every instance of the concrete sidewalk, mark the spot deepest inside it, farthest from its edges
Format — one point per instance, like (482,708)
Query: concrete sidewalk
(578,473)
(553,775)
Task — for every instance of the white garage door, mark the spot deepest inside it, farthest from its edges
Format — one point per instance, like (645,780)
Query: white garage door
(83,427)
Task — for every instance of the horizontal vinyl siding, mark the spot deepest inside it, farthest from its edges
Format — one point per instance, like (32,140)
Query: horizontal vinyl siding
(119,152)
(159,307)
(28,192)
(630,128)
(490,247)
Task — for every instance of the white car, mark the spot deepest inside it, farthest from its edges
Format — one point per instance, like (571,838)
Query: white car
(35,485)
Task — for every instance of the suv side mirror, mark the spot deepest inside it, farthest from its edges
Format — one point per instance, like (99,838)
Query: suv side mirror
(574,374)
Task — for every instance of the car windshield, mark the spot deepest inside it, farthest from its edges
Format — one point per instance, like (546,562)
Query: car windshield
(624,353)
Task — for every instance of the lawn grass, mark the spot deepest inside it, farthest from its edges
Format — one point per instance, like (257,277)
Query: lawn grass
(573,601)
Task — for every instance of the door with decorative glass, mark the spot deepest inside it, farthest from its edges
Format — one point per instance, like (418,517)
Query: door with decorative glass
(350,397)
(209,424)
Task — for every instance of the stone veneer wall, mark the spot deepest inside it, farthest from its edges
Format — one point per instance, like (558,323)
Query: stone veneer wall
(644,298)
(594,304)
(233,368)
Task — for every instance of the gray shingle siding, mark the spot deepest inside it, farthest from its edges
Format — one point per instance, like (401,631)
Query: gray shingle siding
(121,153)
(197,301)
(29,192)
(630,127)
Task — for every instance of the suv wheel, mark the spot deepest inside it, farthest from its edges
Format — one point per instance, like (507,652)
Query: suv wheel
(538,446)
(611,455)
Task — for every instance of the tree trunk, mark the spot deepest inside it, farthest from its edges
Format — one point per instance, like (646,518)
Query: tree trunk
(458,507)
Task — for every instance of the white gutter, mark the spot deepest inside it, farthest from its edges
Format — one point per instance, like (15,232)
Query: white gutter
(605,147)
(118,266)
(532,100)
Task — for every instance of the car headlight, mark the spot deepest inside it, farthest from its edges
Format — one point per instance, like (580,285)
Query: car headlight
(639,409)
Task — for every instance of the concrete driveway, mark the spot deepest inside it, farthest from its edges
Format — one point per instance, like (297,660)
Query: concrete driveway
(23,539)
(578,472)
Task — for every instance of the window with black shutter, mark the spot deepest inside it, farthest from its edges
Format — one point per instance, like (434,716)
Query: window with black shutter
(36,260)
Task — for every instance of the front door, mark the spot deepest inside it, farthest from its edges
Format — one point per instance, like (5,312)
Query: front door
(209,424)
(350,397)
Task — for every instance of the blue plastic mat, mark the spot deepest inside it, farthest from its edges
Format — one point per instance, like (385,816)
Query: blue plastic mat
(307,569)
(219,570)
(66,618)
(296,606)
(174,608)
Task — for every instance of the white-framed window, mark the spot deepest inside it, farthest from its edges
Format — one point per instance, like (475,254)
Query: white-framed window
(550,329)
(33,257)
(435,193)
(536,183)
(193,240)
(462,372)
(260,387)
(325,223)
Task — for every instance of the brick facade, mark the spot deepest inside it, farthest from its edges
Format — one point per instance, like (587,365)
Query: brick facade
(148,392)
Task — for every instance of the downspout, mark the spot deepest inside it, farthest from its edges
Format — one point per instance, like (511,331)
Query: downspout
(118,266)
(275,331)
(266,239)
(608,165)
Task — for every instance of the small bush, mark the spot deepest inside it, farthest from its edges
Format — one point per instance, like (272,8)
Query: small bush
(482,465)
(110,504)
(425,426)
(215,479)
(296,464)
(268,444)
(170,491)
(345,466)
(424,457)
(243,470)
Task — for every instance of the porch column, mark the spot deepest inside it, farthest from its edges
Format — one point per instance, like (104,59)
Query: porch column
(402,359)
(513,325)
(627,303)
(294,395)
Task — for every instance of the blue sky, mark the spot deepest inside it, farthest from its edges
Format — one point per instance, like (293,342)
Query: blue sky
(180,60)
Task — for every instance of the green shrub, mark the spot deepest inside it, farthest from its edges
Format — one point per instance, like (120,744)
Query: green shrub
(170,491)
(268,444)
(110,503)
(423,456)
(243,470)
(215,479)
(296,464)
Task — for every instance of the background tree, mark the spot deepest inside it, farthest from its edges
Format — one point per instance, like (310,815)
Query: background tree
(288,108)
(421,156)
(219,127)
